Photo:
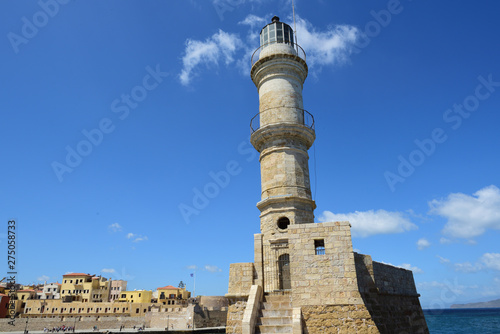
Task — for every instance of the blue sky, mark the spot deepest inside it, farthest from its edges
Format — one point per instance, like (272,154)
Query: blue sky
(116,115)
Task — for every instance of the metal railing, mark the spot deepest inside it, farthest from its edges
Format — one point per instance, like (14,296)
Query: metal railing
(298,49)
(276,267)
(305,118)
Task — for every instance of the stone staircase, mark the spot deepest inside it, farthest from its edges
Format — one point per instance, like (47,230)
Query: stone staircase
(275,315)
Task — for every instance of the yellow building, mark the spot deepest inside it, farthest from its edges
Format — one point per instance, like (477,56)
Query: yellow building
(21,298)
(84,288)
(170,295)
(139,296)
(54,308)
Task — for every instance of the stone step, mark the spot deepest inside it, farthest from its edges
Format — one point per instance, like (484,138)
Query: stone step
(277,298)
(275,321)
(275,313)
(274,329)
(276,305)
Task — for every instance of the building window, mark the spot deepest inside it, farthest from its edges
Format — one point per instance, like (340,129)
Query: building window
(319,246)
(283,223)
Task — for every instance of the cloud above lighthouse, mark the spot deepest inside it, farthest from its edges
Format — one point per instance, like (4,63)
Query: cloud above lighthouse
(324,47)
(367,223)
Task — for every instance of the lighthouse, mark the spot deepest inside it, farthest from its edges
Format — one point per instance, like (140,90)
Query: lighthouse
(282,131)
(305,277)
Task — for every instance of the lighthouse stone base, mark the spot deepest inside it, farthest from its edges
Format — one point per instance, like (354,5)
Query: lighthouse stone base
(332,289)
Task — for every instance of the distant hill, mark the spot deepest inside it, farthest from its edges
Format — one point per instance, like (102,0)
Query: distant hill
(493,303)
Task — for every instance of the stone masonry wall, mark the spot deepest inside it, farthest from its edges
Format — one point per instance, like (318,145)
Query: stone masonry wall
(240,279)
(178,319)
(328,279)
(235,316)
(390,297)
(210,318)
(345,319)
(86,323)
(393,280)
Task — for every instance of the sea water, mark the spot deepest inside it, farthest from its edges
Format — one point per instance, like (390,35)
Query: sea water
(471,320)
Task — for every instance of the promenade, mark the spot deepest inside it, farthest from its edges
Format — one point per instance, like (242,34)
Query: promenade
(211,330)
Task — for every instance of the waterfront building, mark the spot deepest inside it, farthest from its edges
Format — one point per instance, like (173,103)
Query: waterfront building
(170,295)
(115,289)
(51,291)
(137,296)
(84,288)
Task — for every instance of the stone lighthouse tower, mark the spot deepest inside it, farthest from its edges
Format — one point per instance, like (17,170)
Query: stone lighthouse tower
(283,134)
(305,276)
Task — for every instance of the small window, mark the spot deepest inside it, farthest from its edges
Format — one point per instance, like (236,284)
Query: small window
(283,223)
(319,246)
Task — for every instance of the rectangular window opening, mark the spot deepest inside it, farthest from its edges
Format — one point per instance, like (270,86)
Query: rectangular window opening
(319,246)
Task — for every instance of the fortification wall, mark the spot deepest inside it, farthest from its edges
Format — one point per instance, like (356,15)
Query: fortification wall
(175,319)
(337,319)
(393,280)
(210,318)
(390,296)
(85,323)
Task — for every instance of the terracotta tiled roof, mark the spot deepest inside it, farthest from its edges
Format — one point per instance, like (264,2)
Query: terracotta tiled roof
(168,287)
(76,274)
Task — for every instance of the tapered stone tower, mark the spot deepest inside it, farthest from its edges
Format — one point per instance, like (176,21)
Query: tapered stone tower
(282,136)
(305,276)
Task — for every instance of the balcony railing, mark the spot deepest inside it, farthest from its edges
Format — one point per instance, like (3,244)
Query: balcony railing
(298,49)
(305,118)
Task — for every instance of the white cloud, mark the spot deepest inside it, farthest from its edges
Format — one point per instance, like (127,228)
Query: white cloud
(445,241)
(469,216)
(467,267)
(43,278)
(408,266)
(140,238)
(328,47)
(221,45)
(136,237)
(491,260)
(212,269)
(255,22)
(456,288)
(442,259)
(486,262)
(371,222)
(331,46)
(423,243)
(109,271)
(192,267)
(115,227)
